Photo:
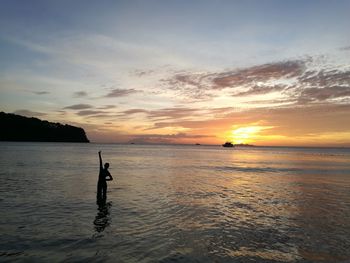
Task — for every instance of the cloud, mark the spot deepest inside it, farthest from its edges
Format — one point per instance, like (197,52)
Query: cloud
(142,73)
(291,81)
(260,73)
(166,117)
(105,107)
(121,92)
(90,112)
(161,114)
(41,92)
(178,113)
(190,86)
(134,111)
(322,94)
(258,79)
(80,94)
(276,102)
(259,89)
(345,48)
(323,85)
(326,78)
(29,113)
(79,107)
(172,113)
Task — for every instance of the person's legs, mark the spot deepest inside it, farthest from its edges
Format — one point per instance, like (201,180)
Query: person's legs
(104,195)
(99,190)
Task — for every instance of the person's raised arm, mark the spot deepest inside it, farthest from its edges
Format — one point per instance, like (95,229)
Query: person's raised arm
(99,155)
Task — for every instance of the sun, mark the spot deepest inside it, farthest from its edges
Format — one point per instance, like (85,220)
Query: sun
(246,134)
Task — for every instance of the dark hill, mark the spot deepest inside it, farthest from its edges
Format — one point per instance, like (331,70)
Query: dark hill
(18,128)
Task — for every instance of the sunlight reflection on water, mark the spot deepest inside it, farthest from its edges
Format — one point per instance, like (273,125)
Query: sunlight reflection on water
(175,203)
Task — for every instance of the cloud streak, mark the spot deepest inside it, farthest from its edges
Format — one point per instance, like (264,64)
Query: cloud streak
(29,113)
(260,89)
(80,94)
(89,112)
(178,113)
(79,107)
(121,93)
(41,92)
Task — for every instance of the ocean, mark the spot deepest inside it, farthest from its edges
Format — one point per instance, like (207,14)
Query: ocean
(174,203)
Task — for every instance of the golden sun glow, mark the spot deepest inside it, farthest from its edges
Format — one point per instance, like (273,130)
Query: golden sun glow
(247,134)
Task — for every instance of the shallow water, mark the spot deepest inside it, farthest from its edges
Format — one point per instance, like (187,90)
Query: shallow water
(174,204)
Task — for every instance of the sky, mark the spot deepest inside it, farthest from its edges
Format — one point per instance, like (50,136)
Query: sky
(258,72)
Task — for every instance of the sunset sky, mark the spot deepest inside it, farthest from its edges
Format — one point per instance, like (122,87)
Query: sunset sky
(259,72)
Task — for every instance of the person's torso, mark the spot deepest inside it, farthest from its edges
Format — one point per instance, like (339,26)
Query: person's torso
(103,174)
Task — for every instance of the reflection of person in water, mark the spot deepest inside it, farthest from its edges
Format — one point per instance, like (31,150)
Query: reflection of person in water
(103,177)
(102,219)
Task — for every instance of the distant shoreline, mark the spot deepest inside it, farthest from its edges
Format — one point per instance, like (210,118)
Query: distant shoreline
(219,145)
(186,145)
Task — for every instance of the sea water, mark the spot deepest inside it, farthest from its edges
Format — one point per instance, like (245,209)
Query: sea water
(172,203)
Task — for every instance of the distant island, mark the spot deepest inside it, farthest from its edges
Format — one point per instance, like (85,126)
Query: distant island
(19,128)
(229,144)
(244,145)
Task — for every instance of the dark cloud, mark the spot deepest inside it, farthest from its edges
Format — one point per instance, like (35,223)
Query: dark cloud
(105,107)
(80,94)
(41,92)
(263,73)
(258,90)
(79,107)
(193,80)
(325,78)
(121,92)
(134,111)
(298,81)
(322,85)
(322,94)
(204,86)
(190,86)
(29,113)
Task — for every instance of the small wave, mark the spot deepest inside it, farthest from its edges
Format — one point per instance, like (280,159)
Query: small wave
(255,169)
(10,254)
(275,170)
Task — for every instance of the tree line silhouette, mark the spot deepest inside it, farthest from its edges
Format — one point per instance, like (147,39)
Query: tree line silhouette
(19,128)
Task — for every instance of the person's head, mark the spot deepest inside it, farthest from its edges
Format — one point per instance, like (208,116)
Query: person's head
(106,165)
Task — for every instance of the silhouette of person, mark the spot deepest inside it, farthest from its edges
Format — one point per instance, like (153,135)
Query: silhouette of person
(103,177)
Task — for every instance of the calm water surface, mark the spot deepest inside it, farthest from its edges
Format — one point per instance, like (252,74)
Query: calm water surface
(174,204)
